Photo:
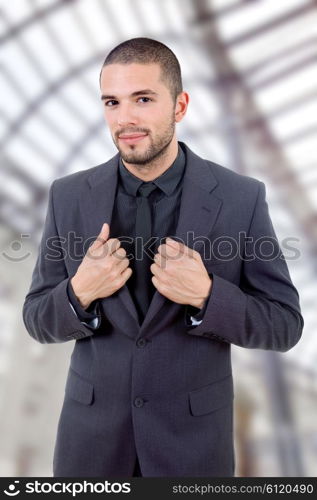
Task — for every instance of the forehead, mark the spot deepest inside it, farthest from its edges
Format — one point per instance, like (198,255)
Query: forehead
(127,78)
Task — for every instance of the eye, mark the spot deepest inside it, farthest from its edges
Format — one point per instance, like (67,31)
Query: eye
(111,103)
(147,99)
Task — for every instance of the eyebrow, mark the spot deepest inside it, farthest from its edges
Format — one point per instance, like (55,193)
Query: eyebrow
(134,94)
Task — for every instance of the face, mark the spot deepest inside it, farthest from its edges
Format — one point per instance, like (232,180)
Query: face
(139,110)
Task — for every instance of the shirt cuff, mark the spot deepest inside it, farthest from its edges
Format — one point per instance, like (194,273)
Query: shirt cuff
(91,316)
(194,315)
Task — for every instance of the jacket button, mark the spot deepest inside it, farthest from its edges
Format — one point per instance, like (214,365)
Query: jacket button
(138,402)
(141,342)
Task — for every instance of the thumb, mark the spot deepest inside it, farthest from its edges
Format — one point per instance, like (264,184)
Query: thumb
(102,237)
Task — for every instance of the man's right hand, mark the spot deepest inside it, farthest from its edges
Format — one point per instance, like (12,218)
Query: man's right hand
(103,270)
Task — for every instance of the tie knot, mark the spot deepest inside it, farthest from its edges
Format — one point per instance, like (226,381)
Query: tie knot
(146,189)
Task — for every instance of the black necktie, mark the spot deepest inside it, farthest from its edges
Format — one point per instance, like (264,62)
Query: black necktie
(144,287)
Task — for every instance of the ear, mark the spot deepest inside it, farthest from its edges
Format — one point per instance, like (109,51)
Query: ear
(181,106)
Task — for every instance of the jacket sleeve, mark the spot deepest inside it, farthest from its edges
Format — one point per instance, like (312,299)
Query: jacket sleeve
(263,311)
(194,315)
(47,314)
(91,316)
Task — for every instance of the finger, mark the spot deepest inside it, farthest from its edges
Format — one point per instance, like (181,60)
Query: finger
(170,252)
(120,254)
(126,273)
(101,238)
(156,270)
(105,250)
(156,282)
(160,260)
(112,245)
(123,264)
(181,247)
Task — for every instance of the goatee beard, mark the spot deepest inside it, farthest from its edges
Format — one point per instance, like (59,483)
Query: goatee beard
(152,153)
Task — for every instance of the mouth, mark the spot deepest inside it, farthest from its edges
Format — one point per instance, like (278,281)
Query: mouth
(132,138)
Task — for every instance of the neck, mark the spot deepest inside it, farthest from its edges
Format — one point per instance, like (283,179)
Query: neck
(155,168)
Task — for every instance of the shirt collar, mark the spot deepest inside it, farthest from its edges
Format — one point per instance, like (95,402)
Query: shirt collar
(167,181)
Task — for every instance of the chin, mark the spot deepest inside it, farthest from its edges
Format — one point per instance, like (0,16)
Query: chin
(135,161)
(132,156)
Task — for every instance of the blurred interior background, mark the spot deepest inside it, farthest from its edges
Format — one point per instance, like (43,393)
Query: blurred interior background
(250,67)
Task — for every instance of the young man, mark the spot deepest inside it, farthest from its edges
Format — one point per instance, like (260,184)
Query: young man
(149,389)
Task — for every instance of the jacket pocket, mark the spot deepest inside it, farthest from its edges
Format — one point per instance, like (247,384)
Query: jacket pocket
(211,397)
(79,389)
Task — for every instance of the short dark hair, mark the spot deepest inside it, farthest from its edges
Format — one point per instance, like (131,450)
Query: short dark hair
(146,51)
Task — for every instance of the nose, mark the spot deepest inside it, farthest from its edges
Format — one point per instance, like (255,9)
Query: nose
(126,115)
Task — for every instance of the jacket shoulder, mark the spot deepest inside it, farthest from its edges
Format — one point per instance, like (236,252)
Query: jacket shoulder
(77,179)
(230,179)
(229,182)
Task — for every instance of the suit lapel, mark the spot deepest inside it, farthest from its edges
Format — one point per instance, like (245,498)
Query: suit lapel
(97,207)
(199,210)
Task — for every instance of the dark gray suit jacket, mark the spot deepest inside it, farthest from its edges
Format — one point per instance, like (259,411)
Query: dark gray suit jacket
(163,390)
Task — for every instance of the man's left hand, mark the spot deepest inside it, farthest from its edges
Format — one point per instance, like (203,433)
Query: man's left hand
(180,275)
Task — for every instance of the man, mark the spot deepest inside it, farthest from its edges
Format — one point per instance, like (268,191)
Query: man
(149,389)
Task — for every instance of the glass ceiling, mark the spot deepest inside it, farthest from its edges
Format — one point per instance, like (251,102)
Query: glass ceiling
(250,68)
